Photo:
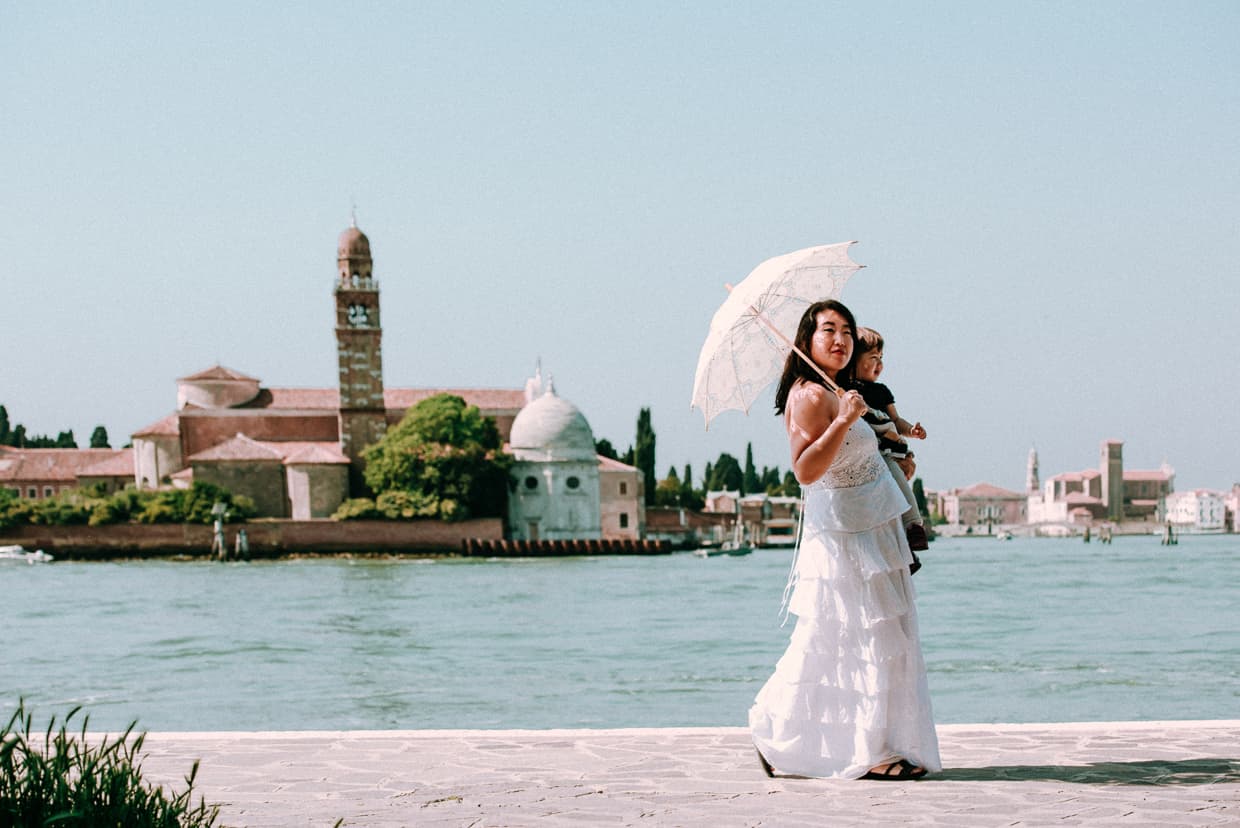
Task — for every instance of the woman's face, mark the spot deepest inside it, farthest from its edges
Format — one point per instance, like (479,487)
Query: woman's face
(832,344)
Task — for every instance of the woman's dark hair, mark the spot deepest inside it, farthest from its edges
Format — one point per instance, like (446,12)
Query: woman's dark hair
(796,369)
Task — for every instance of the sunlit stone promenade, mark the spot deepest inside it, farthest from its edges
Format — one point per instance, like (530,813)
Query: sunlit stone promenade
(1120,773)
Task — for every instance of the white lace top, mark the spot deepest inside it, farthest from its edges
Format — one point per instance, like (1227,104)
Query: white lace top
(857,462)
(857,492)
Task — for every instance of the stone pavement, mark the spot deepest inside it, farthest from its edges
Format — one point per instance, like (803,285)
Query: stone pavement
(1116,773)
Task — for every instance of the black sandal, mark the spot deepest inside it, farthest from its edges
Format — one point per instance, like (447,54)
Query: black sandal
(904,772)
(766,766)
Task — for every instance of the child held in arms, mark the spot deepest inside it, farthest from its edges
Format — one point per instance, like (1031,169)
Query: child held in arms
(891,429)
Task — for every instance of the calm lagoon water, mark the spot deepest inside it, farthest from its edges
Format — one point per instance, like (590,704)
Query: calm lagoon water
(1018,631)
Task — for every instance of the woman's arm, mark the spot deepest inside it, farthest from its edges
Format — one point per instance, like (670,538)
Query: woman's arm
(817,421)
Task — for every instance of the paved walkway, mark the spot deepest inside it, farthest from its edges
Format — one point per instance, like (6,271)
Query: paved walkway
(1126,773)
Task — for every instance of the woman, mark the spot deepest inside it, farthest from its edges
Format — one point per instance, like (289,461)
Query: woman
(848,698)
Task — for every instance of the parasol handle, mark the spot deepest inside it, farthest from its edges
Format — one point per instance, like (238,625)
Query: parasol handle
(761,317)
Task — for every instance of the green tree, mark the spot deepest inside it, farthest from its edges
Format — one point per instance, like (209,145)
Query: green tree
(791,487)
(606,449)
(447,455)
(750,482)
(65,440)
(643,452)
(667,493)
(18,437)
(919,494)
(726,474)
(5,430)
(99,437)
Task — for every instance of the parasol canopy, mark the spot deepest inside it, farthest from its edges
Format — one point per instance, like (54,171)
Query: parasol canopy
(751,334)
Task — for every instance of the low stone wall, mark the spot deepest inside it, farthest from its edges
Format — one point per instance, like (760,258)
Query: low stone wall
(267,538)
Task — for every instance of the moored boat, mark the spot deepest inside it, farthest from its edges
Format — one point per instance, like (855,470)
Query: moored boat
(14,552)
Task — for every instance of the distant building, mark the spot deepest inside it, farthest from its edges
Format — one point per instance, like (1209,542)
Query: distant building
(983,505)
(1108,493)
(771,520)
(1197,510)
(723,501)
(1231,503)
(560,487)
(297,451)
(38,473)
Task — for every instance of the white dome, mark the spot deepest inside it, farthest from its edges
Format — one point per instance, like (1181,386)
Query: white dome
(550,428)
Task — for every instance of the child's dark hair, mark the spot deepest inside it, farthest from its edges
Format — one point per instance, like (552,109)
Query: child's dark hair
(868,340)
(795,368)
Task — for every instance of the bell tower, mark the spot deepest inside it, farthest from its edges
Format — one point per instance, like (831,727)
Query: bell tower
(363,417)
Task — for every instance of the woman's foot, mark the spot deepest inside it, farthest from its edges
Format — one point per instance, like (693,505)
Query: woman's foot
(900,770)
(766,766)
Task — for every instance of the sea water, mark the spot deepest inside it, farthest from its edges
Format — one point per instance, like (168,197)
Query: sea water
(1028,630)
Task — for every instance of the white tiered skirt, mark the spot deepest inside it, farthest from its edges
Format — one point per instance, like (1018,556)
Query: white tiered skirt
(850,692)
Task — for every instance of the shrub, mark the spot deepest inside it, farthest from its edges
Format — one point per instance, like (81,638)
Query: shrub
(64,779)
(357,508)
(401,505)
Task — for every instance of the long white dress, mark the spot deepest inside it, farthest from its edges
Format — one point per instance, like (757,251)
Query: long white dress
(850,692)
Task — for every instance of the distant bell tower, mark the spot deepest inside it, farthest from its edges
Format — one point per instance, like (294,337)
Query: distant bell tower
(358,336)
(1111,469)
(1031,472)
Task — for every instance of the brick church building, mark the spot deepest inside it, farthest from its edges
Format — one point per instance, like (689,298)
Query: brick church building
(297,451)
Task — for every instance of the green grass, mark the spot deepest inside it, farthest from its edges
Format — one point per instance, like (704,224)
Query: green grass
(61,778)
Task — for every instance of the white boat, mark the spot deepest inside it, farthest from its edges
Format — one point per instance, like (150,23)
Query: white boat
(1003,535)
(14,552)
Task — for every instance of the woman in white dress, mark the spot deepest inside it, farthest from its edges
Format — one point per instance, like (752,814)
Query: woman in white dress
(848,699)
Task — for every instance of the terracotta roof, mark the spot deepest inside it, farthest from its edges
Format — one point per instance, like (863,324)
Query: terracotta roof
(607,464)
(484,398)
(239,447)
(119,465)
(987,490)
(62,465)
(487,399)
(300,398)
(217,372)
(1136,474)
(313,454)
(1081,497)
(1088,474)
(167,427)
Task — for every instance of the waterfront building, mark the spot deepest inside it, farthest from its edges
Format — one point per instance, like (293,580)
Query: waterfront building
(982,506)
(1197,510)
(1108,493)
(686,528)
(38,473)
(1231,502)
(723,501)
(560,487)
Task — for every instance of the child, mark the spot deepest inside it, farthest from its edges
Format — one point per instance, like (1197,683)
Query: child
(890,428)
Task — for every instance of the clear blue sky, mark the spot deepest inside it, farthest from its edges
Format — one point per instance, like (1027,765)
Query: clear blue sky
(1046,197)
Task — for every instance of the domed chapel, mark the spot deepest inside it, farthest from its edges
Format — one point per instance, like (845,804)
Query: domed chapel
(297,451)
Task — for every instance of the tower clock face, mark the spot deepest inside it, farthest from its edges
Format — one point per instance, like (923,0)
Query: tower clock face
(359,316)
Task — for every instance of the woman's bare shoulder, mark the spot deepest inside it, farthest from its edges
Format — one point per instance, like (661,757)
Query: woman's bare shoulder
(808,392)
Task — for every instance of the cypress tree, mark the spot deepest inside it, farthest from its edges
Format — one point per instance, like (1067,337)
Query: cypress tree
(750,482)
(5,432)
(643,452)
(99,438)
